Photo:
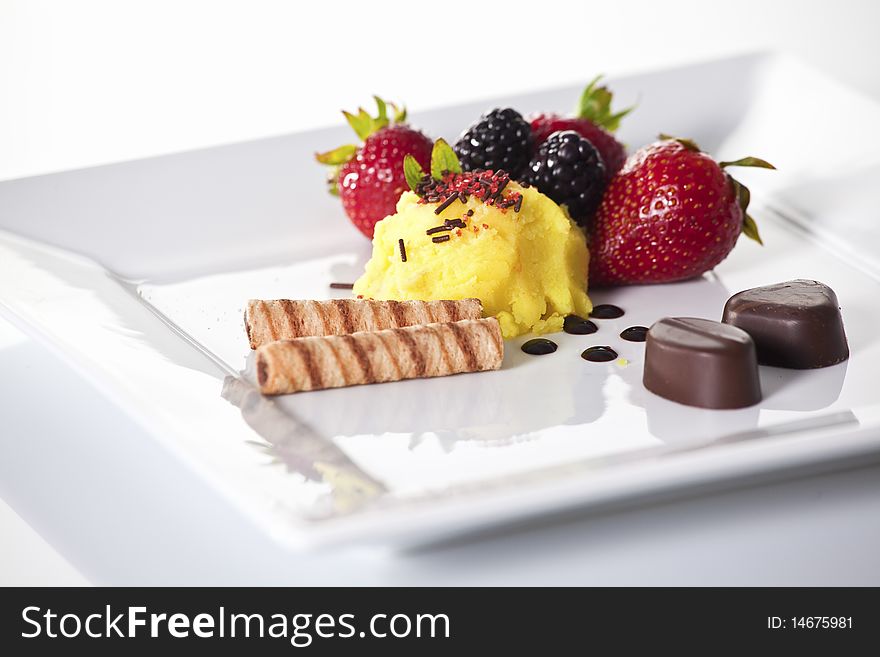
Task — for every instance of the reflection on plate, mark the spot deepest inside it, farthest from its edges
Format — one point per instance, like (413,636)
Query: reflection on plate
(299,449)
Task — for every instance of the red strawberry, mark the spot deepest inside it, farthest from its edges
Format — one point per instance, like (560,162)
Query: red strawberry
(670,214)
(593,120)
(369,179)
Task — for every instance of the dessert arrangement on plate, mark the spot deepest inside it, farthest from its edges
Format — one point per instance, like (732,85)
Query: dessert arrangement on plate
(503,233)
(553,318)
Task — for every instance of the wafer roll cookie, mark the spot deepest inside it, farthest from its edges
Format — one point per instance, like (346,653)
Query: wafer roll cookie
(314,363)
(284,319)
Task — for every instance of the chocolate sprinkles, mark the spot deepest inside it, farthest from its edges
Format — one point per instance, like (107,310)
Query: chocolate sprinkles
(440,238)
(445,204)
(487,186)
(402,250)
(448,225)
(341,286)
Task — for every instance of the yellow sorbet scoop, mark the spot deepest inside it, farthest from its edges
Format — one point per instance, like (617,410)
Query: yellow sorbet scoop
(528,267)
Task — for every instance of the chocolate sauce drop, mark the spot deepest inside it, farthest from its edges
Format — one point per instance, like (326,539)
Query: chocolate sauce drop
(539,347)
(606,311)
(576,325)
(599,354)
(635,333)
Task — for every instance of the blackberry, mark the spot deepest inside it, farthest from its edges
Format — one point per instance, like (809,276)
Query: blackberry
(569,169)
(500,139)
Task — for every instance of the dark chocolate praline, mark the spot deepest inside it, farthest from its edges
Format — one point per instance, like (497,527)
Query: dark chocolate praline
(796,324)
(701,362)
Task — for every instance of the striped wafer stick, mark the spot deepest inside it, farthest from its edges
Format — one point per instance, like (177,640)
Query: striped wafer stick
(334,361)
(284,319)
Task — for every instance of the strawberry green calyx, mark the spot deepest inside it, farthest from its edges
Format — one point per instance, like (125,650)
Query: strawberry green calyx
(743,196)
(595,106)
(748,162)
(750,228)
(368,176)
(443,161)
(689,144)
(337,156)
(363,125)
(332,180)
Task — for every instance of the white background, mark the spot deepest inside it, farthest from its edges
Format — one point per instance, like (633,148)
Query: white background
(90,82)
(96,81)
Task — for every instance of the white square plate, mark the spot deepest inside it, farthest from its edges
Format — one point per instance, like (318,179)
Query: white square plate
(138,273)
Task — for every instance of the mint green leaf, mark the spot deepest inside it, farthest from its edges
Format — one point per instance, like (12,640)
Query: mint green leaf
(339,155)
(413,172)
(443,158)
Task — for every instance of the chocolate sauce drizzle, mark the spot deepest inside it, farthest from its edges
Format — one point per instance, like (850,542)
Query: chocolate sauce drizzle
(539,346)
